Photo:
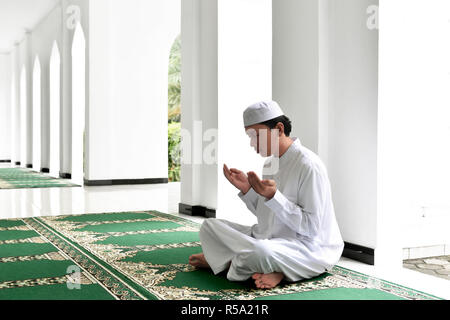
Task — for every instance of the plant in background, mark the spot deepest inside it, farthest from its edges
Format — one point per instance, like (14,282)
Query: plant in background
(175,82)
(174,108)
(174,151)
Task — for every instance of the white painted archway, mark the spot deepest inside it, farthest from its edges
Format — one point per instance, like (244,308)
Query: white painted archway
(55,103)
(37,115)
(78,104)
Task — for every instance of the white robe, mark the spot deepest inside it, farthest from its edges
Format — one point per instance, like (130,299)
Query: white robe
(296,234)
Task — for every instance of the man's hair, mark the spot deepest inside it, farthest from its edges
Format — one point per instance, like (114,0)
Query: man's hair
(284,120)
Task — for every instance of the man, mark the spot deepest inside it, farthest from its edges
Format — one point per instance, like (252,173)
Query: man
(297,236)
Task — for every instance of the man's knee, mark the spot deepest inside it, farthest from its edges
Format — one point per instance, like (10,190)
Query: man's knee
(255,259)
(262,249)
(208,226)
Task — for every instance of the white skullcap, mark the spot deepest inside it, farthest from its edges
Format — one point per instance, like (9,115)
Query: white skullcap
(261,112)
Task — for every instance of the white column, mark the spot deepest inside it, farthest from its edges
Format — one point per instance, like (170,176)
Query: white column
(54,113)
(5,106)
(414,124)
(78,104)
(15,106)
(45,114)
(326,79)
(352,118)
(66,92)
(37,134)
(129,45)
(226,67)
(198,99)
(29,106)
(23,115)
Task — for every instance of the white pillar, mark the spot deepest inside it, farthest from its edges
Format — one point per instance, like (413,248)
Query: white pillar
(198,99)
(226,67)
(23,115)
(414,124)
(45,114)
(37,134)
(15,106)
(128,48)
(66,92)
(353,118)
(78,104)
(296,66)
(53,118)
(29,106)
(326,79)
(5,106)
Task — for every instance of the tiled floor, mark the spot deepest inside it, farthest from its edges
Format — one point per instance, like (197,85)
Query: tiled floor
(435,266)
(17,203)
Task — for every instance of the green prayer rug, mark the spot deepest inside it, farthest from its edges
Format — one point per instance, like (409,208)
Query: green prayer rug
(144,255)
(17,178)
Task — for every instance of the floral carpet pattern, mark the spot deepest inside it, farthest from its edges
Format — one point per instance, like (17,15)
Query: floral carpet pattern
(144,255)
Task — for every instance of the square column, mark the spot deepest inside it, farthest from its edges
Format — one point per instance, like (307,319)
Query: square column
(5,107)
(227,57)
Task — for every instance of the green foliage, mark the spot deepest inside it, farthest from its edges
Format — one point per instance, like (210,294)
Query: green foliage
(175,82)
(174,151)
(174,110)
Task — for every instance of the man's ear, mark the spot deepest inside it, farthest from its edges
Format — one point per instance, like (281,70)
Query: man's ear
(280,127)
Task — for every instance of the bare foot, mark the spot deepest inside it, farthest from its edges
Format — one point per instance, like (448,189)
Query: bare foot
(267,281)
(198,261)
(257,276)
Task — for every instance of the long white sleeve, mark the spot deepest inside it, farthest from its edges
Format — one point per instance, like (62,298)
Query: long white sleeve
(250,199)
(304,216)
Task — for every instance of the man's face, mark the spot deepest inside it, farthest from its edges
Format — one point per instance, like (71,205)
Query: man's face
(262,139)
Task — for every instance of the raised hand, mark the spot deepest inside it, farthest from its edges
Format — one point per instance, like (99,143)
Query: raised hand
(237,178)
(266,188)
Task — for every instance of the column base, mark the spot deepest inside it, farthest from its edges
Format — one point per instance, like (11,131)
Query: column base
(199,211)
(125,182)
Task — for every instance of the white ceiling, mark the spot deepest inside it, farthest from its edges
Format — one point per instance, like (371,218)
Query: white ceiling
(16,16)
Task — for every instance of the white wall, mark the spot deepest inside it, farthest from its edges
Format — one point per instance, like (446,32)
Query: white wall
(244,77)
(129,59)
(5,110)
(325,77)
(353,116)
(415,120)
(295,66)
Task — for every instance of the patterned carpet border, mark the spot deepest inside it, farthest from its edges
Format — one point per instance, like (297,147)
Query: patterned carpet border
(107,276)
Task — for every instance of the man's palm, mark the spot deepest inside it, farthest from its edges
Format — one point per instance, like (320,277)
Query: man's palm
(237,178)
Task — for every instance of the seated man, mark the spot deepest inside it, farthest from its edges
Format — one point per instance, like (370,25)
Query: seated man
(297,236)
